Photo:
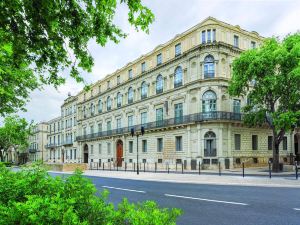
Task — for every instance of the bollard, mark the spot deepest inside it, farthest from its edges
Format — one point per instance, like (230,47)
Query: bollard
(176,166)
(110,166)
(199,164)
(219,168)
(296,170)
(155,167)
(168,168)
(270,173)
(243,169)
(117,167)
(144,168)
(103,166)
(97,166)
(133,167)
(91,166)
(182,168)
(125,166)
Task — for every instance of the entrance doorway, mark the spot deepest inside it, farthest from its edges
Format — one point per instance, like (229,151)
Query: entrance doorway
(86,154)
(119,153)
(297,147)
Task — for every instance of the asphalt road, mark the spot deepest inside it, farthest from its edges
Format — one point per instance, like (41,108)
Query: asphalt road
(212,204)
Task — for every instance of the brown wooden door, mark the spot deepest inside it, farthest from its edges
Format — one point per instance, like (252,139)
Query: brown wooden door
(119,153)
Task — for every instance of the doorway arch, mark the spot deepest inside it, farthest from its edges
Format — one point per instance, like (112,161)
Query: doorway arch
(119,152)
(86,153)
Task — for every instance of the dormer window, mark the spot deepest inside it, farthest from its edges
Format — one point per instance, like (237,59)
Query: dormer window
(203,37)
(177,49)
(208,36)
(143,67)
(118,79)
(130,74)
(108,84)
(236,41)
(214,35)
(159,59)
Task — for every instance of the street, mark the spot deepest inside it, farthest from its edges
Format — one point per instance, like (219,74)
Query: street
(211,204)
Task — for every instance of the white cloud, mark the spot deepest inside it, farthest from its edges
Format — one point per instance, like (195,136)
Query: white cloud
(172,17)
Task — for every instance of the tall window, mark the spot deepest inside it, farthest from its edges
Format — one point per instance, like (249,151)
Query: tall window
(203,37)
(159,117)
(236,41)
(100,106)
(254,142)
(108,84)
(118,79)
(100,148)
(92,129)
(144,91)
(178,113)
(209,66)
(130,95)
(253,44)
(214,35)
(143,65)
(159,84)
(284,143)
(209,101)
(144,145)
(237,106)
(237,141)
(119,100)
(210,144)
(130,74)
(99,127)
(178,77)
(108,148)
(177,49)
(130,121)
(108,103)
(143,118)
(118,124)
(270,142)
(92,149)
(92,109)
(159,144)
(159,59)
(130,146)
(178,143)
(108,126)
(84,132)
(208,36)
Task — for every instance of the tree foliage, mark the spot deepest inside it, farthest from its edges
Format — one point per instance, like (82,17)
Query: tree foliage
(31,196)
(15,133)
(44,37)
(270,78)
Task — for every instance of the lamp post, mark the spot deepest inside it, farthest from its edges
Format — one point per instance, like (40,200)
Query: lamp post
(137,146)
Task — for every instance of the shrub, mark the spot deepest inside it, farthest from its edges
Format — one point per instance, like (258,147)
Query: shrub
(31,196)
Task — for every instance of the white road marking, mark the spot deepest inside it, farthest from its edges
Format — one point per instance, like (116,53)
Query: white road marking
(123,189)
(207,200)
(297,209)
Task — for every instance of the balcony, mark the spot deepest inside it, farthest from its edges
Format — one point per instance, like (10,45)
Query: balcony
(52,145)
(187,119)
(32,150)
(208,75)
(67,142)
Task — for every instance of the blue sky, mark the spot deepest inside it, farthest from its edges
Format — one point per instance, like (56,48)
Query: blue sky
(268,18)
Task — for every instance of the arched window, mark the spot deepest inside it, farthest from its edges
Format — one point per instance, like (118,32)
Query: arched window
(209,102)
(99,106)
(178,77)
(144,92)
(119,100)
(210,144)
(108,103)
(159,84)
(209,67)
(130,95)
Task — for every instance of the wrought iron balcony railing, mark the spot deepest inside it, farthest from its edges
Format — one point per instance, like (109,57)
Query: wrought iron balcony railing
(192,118)
(67,142)
(32,150)
(52,145)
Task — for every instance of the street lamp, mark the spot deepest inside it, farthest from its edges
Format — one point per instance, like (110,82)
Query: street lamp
(137,145)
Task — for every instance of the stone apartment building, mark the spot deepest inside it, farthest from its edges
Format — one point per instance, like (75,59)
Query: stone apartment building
(37,142)
(54,140)
(178,93)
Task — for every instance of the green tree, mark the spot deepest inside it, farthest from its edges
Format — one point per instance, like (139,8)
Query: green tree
(270,78)
(43,38)
(14,134)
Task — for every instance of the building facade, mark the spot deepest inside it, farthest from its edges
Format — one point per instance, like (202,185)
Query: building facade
(179,94)
(37,141)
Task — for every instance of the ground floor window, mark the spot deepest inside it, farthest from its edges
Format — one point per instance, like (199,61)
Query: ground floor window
(144,145)
(159,160)
(130,146)
(159,144)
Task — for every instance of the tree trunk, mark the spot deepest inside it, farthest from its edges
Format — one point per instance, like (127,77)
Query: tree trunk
(275,164)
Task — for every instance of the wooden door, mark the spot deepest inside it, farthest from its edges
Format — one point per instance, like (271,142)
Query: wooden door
(119,153)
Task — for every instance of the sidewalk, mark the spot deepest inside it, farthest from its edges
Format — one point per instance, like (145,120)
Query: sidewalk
(233,179)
